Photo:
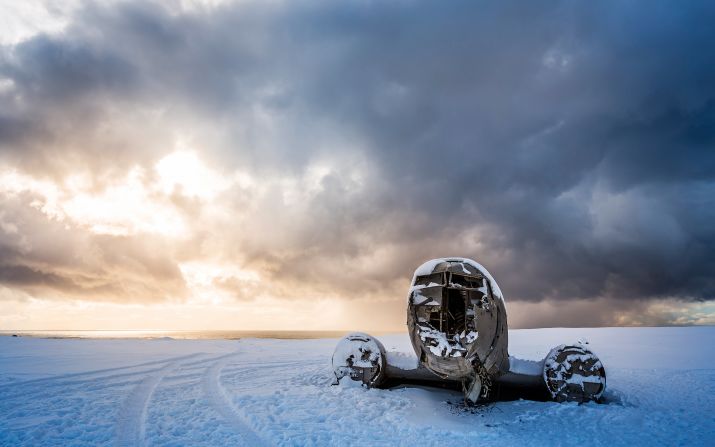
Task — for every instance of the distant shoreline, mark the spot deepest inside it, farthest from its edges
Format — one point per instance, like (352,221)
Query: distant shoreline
(178,335)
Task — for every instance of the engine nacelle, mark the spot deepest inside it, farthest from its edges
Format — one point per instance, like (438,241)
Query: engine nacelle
(360,357)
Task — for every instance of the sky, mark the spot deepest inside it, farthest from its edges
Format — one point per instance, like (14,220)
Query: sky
(288,164)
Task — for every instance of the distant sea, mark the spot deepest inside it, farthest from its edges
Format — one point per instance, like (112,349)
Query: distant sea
(182,335)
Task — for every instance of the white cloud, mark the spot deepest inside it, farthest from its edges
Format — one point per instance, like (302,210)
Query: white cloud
(20,20)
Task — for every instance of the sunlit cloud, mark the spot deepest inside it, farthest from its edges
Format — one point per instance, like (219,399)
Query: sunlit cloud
(123,208)
(212,283)
(183,172)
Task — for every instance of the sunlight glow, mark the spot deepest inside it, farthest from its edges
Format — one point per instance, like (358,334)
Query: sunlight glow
(125,208)
(137,203)
(207,282)
(183,172)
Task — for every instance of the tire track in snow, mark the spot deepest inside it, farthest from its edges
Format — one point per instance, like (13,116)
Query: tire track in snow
(48,384)
(223,406)
(100,383)
(131,421)
(96,371)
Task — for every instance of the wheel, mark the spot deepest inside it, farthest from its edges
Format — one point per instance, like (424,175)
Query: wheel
(360,357)
(573,373)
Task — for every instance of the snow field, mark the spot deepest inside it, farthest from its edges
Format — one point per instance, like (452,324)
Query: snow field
(660,391)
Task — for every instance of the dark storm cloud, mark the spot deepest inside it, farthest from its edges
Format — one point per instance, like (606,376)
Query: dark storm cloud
(569,147)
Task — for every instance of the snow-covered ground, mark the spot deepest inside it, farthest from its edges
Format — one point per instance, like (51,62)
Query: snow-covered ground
(661,391)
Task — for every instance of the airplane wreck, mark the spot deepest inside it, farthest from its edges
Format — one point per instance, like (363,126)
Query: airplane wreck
(457,324)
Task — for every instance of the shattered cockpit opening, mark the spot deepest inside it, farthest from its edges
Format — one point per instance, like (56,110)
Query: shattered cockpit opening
(455,315)
(455,312)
